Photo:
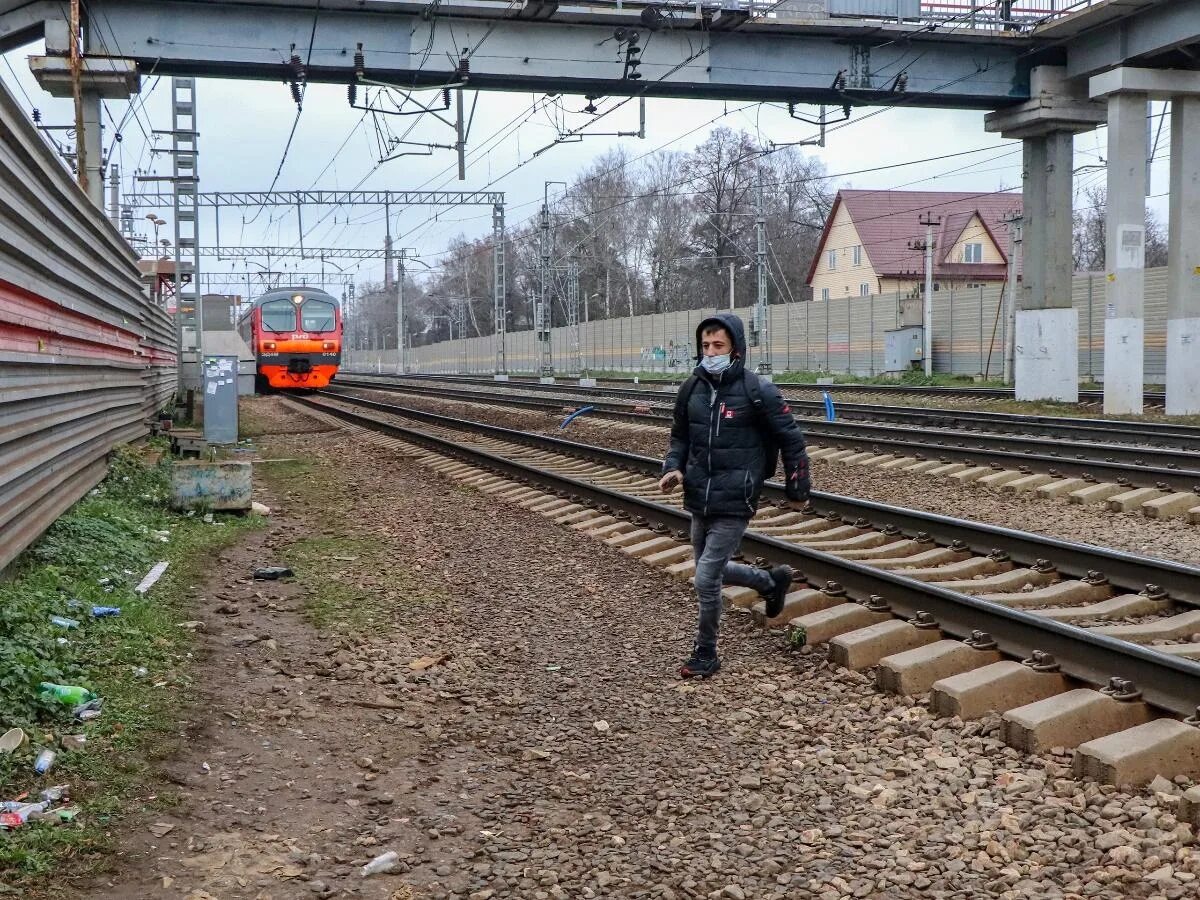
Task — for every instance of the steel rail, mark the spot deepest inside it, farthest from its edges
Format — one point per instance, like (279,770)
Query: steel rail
(1174,469)
(1181,581)
(1165,681)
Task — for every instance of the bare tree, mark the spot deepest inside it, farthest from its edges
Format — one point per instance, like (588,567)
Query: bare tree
(1090,233)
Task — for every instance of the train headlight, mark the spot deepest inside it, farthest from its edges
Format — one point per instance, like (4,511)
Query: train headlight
(329,345)
(268,345)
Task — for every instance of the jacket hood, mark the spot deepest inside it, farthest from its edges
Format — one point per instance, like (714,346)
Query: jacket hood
(730,323)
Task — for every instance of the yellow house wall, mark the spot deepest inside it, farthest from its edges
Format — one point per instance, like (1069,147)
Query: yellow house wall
(975,233)
(843,281)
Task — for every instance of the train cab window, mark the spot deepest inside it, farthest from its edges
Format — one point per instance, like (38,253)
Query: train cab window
(316,315)
(278,315)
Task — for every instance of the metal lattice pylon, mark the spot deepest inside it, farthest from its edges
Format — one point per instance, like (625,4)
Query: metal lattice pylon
(185,180)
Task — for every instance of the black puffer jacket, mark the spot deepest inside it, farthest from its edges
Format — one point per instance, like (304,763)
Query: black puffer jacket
(717,442)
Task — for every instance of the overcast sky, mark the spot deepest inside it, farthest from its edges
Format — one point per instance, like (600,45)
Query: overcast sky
(244,127)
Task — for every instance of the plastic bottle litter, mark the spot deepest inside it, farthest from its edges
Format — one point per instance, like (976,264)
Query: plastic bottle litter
(55,793)
(384,862)
(102,612)
(66,693)
(21,814)
(44,762)
(64,622)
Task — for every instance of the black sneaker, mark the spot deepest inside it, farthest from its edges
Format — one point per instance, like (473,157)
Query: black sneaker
(701,664)
(782,577)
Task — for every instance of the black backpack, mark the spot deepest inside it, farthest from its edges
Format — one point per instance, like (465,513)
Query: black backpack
(754,392)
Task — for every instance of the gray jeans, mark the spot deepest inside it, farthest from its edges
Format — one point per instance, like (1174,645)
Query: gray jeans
(715,540)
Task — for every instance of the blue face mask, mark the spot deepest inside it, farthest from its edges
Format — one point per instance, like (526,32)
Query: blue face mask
(715,365)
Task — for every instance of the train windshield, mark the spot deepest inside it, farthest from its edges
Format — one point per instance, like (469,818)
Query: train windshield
(316,315)
(278,315)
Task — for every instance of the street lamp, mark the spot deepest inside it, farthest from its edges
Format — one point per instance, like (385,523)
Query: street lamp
(154,220)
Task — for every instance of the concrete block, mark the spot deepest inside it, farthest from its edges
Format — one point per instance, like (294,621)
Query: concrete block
(1096,493)
(861,541)
(669,556)
(934,557)
(797,603)
(839,455)
(1068,720)
(629,538)
(1132,499)
(211,485)
(915,671)
(819,627)
(948,469)
(1028,483)
(612,529)
(829,534)
(583,515)
(1001,478)
(682,570)
(1170,505)
(865,647)
(926,465)
(1168,628)
(1164,747)
(898,463)
(966,476)
(1063,593)
(960,569)
(905,547)
(740,597)
(653,545)
(876,461)
(591,525)
(859,457)
(1060,488)
(999,687)
(1123,607)
(1193,516)
(570,509)
(1013,580)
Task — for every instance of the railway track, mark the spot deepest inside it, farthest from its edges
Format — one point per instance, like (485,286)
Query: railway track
(1087,398)
(1106,431)
(934,604)
(1069,455)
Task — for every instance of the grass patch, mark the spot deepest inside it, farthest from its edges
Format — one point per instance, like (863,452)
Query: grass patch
(139,662)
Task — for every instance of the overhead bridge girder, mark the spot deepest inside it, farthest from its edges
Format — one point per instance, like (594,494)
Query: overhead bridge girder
(575,52)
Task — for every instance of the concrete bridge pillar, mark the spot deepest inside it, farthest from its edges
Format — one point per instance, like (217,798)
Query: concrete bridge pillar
(1183,260)
(1126,90)
(1046,346)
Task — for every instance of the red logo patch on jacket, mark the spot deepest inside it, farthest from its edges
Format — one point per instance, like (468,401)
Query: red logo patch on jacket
(729,413)
(786,408)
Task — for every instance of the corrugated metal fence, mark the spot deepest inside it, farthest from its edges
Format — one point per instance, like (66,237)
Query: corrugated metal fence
(838,336)
(85,358)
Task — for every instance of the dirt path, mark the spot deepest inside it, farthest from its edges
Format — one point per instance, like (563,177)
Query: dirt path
(508,721)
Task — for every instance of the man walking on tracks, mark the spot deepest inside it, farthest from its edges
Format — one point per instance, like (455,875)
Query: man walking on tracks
(730,427)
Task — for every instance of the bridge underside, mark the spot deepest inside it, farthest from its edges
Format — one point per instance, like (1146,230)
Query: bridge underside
(744,60)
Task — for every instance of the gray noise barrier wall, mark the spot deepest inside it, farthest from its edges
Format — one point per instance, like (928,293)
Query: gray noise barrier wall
(840,336)
(85,358)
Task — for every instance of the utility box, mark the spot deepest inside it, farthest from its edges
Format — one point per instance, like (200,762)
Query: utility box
(220,399)
(903,348)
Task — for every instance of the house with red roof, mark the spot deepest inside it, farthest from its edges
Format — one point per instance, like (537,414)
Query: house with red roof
(867,245)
